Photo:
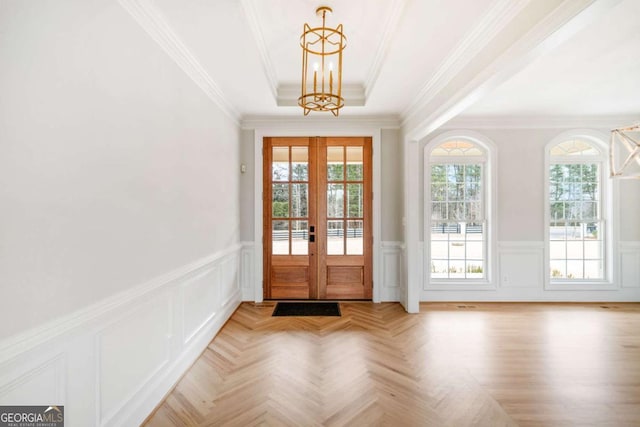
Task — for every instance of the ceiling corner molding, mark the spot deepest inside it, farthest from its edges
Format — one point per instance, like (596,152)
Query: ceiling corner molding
(558,26)
(305,123)
(494,20)
(538,122)
(153,23)
(394,15)
(288,94)
(267,65)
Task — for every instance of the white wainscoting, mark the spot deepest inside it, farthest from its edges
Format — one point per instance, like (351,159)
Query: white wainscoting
(520,264)
(247,271)
(41,381)
(521,277)
(111,364)
(392,271)
(629,264)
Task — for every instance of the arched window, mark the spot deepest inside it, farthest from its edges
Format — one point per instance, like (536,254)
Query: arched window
(457,190)
(576,213)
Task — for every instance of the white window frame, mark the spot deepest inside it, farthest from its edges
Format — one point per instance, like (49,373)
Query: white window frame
(599,141)
(489,205)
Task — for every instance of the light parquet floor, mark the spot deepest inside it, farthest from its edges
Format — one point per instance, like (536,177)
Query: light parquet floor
(480,364)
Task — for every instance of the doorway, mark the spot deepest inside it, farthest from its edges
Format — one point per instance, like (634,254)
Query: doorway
(317,218)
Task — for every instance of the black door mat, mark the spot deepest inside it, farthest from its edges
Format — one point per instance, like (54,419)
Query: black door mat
(307,309)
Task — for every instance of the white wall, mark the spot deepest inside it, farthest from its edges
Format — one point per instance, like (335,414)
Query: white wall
(392,200)
(520,274)
(247,185)
(119,212)
(115,166)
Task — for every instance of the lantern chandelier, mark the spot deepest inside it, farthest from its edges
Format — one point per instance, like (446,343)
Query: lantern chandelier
(322,66)
(625,138)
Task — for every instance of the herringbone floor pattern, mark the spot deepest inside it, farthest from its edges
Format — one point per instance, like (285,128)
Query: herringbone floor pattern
(450,365)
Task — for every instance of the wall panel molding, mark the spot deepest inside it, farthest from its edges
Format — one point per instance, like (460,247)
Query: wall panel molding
(247,271)
(24,382)
(130,353)
(230,281)
(28,340)
(521,263)
(629,275)
(392,270)
(196,296)
(112,362)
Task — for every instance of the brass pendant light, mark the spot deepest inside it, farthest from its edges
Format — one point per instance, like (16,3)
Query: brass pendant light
(322,66)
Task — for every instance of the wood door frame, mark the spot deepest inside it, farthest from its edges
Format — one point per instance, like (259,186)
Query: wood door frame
(255,293)
(284,274)
(312,258)
(367,256)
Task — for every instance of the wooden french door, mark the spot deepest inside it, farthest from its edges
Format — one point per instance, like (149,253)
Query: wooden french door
(317,218)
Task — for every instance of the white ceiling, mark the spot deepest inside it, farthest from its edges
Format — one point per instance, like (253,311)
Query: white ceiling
(420,61)
(595,72)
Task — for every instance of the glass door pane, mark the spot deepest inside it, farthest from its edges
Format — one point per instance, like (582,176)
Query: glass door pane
(280,164)
(355,203)
(335,163)
(355,230)
(345,200)
(290,200)
(300,163)
(335,200)
(299,238)
(354,164)
(280,238)
(335,237)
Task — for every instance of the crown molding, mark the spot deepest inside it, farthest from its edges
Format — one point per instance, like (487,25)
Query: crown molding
(559,25)
(305,122)
(394,15)
(494,20)
(539,122)
(267,65)
(288,95)
(154,24)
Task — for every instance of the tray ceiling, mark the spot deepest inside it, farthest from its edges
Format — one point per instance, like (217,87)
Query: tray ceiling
(423,62)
